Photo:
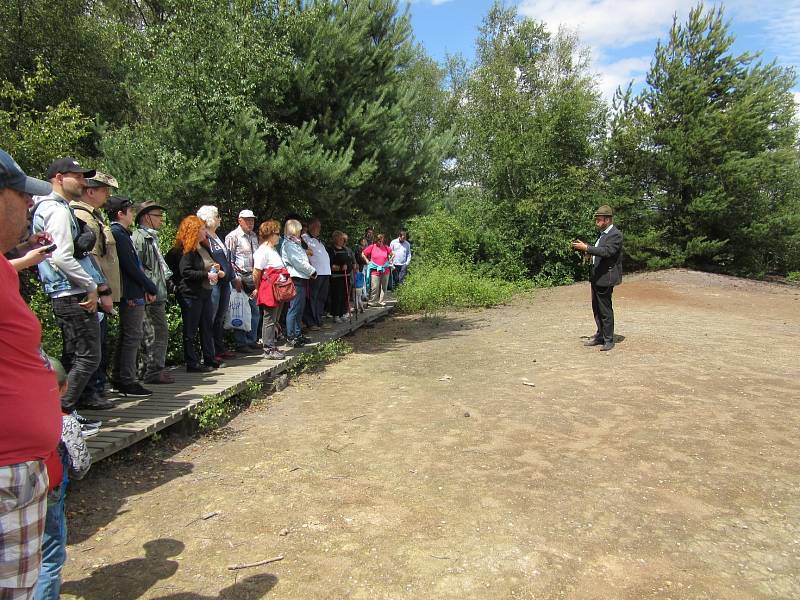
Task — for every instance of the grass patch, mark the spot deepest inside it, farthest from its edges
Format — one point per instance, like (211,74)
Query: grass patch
(793,276)
(428,289)
(215,410)
(325,354)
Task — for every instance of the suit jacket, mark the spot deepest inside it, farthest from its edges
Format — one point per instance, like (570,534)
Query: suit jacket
(608,270)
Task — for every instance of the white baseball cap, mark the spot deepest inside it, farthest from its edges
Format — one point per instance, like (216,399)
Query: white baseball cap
(247,214)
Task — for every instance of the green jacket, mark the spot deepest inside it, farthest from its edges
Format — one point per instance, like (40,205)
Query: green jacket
(146,243)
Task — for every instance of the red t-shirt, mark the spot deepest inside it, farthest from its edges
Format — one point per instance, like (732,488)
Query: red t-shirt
(377,254)
(30,409)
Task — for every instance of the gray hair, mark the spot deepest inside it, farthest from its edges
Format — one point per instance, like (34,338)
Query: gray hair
(208,213)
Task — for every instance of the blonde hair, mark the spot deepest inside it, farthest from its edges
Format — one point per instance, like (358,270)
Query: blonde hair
(292,227)
(268,228)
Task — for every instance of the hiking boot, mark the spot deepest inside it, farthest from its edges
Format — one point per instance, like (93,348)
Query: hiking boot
(134,390)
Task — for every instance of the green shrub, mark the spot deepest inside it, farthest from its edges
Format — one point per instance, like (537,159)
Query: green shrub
(793,276)
(430,288)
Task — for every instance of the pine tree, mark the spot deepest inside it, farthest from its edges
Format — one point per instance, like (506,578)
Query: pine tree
(719,137)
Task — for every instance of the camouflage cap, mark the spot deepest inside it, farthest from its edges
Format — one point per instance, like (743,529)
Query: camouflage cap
(102,180)
(604,211)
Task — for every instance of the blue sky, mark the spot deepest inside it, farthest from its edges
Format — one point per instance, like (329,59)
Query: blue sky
(621,34)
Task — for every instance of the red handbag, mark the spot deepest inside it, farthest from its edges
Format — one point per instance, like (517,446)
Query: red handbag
(283,289)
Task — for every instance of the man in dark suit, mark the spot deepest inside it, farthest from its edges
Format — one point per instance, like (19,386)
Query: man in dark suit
(606,256)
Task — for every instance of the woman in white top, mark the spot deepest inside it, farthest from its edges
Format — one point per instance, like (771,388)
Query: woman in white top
(264,258)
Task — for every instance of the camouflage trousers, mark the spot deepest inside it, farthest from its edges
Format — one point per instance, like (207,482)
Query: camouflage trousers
(153,351)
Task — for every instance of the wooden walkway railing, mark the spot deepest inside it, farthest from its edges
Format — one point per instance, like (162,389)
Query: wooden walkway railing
(133,420)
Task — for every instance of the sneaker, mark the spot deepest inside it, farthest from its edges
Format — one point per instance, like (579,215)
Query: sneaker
(294,342)
(97,403)
(215,364)
(274,354)
(134,390)
(89,431)
(86,421)
(304,339)
(199,369)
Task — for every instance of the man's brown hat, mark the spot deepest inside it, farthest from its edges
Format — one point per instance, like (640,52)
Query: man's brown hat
(146,207)
(604,211)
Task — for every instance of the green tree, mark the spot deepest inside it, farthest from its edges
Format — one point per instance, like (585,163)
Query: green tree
(718,135)
(35,136)
(529,134)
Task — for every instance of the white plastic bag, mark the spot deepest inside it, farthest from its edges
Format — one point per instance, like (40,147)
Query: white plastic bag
(238,312)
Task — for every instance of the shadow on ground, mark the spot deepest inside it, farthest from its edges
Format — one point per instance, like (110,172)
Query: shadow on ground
(402,330)
(131,579)
(94,502)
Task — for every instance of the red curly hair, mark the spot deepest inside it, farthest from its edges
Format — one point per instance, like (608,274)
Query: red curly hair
(188,236)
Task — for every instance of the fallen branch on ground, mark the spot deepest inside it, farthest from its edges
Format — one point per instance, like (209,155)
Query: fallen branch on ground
(255,564)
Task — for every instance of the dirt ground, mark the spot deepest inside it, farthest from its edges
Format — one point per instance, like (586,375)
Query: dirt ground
(423,465)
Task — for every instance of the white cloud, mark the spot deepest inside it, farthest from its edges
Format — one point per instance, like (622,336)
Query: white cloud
(602,23)
(620,73)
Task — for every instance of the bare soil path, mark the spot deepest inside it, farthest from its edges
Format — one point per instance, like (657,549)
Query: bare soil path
(425,465)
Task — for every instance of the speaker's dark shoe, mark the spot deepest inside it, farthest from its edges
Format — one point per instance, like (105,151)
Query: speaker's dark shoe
(593,342)
(607,346)
(199,369)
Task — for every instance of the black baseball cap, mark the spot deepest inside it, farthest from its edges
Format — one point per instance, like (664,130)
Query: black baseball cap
(12,176)
(116,204)
(68,165)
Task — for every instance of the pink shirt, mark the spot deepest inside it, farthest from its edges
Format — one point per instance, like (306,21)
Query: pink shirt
(377,254)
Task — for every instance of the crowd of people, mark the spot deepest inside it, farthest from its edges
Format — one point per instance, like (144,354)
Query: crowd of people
(98,256)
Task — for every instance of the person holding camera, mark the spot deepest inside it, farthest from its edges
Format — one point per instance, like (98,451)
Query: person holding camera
(606,255)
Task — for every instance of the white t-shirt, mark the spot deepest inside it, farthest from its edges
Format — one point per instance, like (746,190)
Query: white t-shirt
(320,259)
(265,257)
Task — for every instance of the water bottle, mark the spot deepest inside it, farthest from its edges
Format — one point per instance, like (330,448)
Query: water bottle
(213,275)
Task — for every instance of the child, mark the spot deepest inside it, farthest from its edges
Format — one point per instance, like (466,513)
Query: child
(358,292)
(74,458)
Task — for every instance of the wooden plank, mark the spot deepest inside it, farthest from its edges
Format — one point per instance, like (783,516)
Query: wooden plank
(134,419)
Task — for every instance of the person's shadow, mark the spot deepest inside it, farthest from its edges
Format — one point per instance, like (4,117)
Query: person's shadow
(129,579)
(250,588)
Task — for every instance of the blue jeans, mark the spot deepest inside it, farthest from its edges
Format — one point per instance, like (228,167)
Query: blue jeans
(296,306)
(243,338)
(54,547)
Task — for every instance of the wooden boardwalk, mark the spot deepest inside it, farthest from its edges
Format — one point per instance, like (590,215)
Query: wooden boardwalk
(131,421)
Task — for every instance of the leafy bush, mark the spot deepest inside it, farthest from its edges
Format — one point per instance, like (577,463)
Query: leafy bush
(433,287)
